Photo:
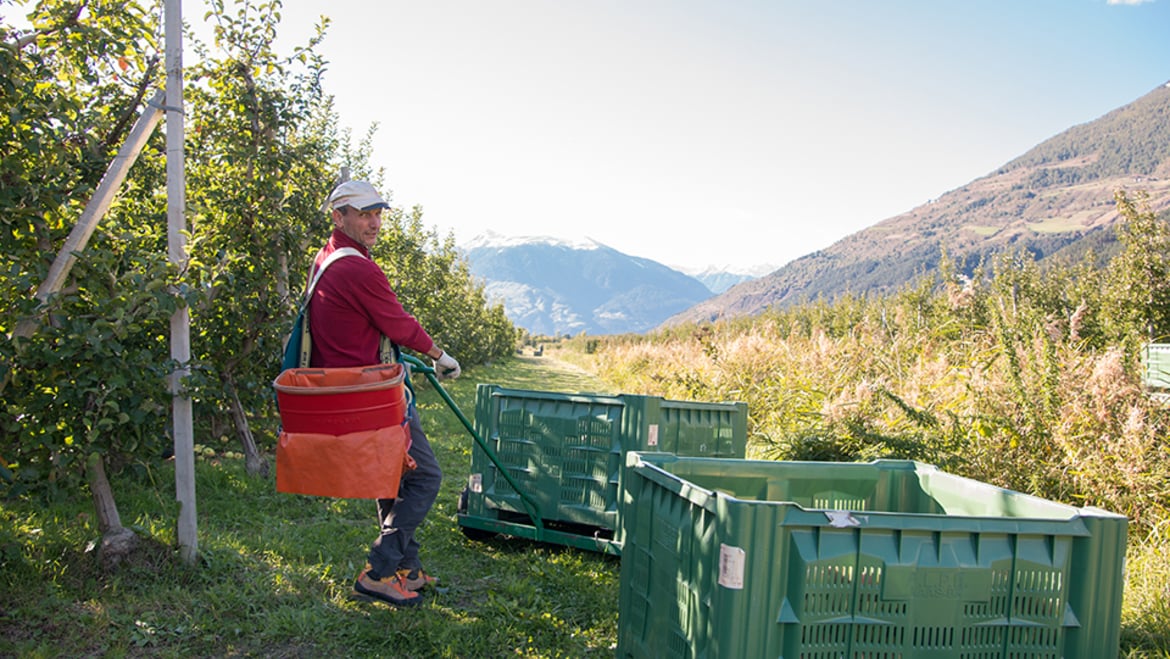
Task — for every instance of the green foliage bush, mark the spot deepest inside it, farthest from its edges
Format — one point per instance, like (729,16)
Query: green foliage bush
(90,378)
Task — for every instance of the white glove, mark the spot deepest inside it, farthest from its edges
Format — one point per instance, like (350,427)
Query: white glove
(446,366)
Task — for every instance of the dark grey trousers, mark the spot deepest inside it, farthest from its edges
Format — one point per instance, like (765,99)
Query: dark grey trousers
(396,547)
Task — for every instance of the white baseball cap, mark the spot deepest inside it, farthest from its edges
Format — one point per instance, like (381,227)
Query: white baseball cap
(357,194)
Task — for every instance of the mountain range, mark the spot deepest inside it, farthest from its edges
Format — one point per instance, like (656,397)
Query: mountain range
(1055,199)
(721,278)
(557,287)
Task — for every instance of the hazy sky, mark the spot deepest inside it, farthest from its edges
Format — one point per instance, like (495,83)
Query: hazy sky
(732,132)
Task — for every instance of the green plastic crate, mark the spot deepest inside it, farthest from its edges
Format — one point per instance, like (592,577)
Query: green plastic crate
(881,560)
(565,451)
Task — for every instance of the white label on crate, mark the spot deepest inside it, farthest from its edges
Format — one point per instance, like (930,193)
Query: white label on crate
(731,562)
(842,519)
(475,483)
(652,435)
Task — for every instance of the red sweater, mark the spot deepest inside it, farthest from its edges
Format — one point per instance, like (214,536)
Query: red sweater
(353,306)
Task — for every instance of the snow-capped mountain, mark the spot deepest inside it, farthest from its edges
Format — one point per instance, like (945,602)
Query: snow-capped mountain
(558,287)
(721,278)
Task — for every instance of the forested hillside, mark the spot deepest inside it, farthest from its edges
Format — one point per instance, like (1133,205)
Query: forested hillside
(1129,141)
(1055,199)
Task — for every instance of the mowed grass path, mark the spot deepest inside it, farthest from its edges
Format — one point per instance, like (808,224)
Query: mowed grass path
(276,570)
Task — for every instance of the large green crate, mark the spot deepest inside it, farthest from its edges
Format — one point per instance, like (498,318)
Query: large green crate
(565,451)
(881,560)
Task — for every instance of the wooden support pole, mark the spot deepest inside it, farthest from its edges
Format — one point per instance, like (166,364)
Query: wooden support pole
(184,435)
(96,209)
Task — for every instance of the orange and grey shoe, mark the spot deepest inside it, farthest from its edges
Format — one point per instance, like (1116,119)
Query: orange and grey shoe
(391,590)
(416,579)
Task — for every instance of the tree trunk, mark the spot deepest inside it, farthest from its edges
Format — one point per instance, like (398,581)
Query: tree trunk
(255,464)
(219,425)
(282,277)
(118,542)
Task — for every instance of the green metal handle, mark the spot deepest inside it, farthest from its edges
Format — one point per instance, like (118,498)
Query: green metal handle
(530,506)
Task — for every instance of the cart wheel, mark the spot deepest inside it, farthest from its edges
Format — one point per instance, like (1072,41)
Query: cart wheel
(478,535)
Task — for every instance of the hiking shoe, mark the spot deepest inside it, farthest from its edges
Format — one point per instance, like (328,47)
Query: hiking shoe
(416,579)
(391,590)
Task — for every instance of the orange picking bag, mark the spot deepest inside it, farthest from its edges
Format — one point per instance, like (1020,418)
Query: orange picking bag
(367,464)
(344,431)
(336,401)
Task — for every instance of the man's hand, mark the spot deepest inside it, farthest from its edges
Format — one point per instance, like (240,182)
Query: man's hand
(446,366)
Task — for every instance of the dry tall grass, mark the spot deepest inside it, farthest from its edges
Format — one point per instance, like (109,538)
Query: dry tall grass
(1052,418)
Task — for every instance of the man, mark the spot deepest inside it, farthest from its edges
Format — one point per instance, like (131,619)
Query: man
(351,309)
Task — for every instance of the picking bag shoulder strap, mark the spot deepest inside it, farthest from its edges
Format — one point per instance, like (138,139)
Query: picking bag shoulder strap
(329,260)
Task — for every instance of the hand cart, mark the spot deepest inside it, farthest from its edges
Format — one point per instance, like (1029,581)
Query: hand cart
(547,466)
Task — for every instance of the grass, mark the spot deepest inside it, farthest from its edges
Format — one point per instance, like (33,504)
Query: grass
(1146,608)
(276,569)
